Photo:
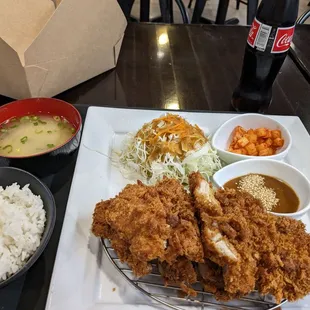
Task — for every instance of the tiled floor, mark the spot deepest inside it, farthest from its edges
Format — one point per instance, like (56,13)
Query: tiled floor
(211,9)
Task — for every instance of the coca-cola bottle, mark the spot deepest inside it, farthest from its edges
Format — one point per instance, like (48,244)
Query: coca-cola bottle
(267,46)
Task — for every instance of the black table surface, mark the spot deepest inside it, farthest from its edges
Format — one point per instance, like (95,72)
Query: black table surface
(300,50)
(196,69)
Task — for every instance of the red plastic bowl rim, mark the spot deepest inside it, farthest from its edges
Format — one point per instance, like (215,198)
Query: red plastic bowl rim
(57,147)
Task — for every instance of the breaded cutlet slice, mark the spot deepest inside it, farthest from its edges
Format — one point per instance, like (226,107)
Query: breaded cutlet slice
(219,233)
(184,239)
(280,244)
(135,221)
(210,212)
(181,273)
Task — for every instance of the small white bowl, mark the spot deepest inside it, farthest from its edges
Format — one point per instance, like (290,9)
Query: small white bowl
(223,136)
(277,169)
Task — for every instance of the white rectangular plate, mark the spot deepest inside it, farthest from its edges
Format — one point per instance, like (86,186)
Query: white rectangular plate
(83,278)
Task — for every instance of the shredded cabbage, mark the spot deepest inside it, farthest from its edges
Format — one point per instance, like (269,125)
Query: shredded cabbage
(133,164)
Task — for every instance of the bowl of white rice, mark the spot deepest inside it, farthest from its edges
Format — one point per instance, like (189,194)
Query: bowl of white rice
(27,219)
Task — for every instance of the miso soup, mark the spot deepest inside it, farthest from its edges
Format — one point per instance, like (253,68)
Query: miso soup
(33,134)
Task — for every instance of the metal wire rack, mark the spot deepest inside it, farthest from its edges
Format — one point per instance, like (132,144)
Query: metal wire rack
(172,297)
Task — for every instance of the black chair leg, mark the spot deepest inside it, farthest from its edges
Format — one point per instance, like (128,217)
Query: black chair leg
(238,4)
(126,6)
(190,4)
(220,15)
(183,11)
(144,10)
(222,12)
(251,11)
(166,11)
(198,10)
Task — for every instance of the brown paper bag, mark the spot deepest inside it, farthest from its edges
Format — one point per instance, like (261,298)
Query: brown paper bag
(46,50)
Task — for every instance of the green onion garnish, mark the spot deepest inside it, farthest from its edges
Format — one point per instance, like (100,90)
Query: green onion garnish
(24,139)
(25,118)
(13,119)
(49,131)
(61,125)
(36,124)
(41,122)
(50,145)
(14,126)
(3,130)
(9,147)
(56,118)
(38,131)
(34,118)
(72,129)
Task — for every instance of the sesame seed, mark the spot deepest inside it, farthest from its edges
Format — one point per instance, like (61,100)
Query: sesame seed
(254,184)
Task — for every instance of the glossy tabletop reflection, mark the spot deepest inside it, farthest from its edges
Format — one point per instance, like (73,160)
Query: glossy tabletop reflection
(187,67)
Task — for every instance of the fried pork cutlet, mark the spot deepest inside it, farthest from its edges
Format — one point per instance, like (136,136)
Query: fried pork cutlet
(136,223)
(211,276)
(281,247)
(152,222)
(238,245)
(225,240)
(184,238)
(181,273)
(184,244)
(273,252)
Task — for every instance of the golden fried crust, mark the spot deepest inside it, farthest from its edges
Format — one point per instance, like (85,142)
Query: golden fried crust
(280,247)
(135,222)
(244,246)
(140,268)
(99,227)
(204,201)
(150,222)
(217,246)
(211,277)
(184,239)
(218,233)
(239,278)
(180,273)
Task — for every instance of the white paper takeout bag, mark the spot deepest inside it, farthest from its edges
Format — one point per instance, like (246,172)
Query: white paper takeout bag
(47,47)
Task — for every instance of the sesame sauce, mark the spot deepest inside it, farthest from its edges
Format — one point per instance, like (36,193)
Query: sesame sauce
(274,194)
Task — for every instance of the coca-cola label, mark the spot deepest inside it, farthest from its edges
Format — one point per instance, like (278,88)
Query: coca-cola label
(283,40)
(264,37)
(253,32)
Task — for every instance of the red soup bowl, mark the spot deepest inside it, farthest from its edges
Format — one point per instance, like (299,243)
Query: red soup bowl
(51,160)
